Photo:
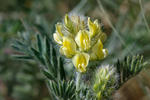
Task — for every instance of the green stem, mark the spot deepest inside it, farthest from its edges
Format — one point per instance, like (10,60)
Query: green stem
(78,79)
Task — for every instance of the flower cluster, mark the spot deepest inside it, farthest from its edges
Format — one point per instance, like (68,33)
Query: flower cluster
(80,41)
(104,81)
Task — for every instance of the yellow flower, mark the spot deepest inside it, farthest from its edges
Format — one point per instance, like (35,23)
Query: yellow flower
(67,20)
(83,41)
(94,28)
(58,35)
(98,52)
(57,38)
(59,29)
(68,47)
(78,23)
(69,25)
(81,61)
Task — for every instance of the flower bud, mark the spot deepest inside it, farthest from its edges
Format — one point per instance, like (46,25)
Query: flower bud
(104,82)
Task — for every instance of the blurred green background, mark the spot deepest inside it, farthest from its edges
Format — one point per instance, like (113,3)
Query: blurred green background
(126,23)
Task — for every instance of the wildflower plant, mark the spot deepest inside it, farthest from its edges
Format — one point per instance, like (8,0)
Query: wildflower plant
(81,41)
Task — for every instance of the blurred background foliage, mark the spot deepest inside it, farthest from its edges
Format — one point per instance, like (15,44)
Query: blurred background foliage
(126,22)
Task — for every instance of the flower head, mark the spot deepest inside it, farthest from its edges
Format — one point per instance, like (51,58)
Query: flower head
(104,81)
(79,41)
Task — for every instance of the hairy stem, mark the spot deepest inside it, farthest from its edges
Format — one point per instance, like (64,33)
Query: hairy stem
(78,78)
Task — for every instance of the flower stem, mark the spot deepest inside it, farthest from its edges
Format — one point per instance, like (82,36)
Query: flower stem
(78,78)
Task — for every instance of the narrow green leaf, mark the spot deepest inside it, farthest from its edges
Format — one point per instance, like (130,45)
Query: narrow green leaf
(61,69)
(38,55)
(19,43)
(48,75)
(23,57)
(16,48)
(39,43)
(47,47)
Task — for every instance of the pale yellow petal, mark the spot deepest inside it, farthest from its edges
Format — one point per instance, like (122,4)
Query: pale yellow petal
(105,51)
(57,38)
(98,52)
(68,22)
(96,23)
(80,61)
(68,47)
(83,41)
(94,28)
(67,19)
(59,29)
(103,37)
